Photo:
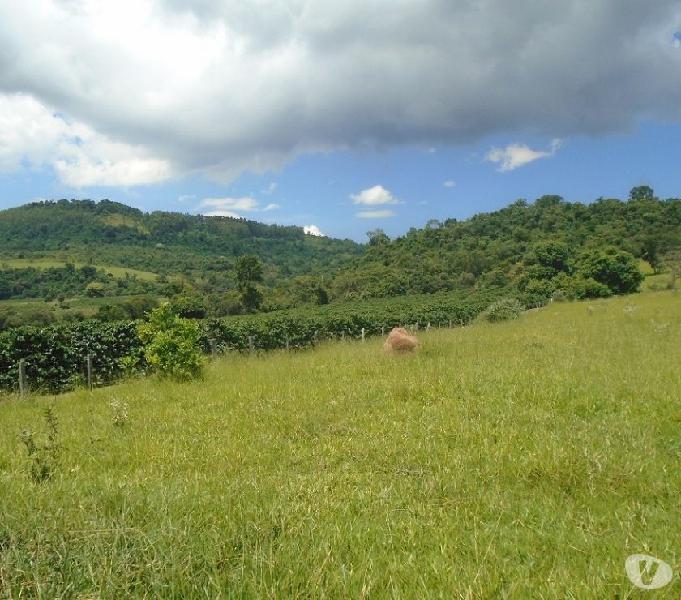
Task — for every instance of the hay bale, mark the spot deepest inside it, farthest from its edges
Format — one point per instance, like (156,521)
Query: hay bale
(399,341)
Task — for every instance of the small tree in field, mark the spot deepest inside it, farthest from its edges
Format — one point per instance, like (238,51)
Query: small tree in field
(171,344)
(248,272)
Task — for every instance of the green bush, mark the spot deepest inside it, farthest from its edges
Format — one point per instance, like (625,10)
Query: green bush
(171,344)
(616,269)
(505,309)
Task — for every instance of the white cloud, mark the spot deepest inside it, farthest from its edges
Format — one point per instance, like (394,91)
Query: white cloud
(517,155)
(270,189)
(227,207)
(186,198)
(375,214)
(374,196)
(312,230)
(32,134)
(171,87)
(449,184)
(247,203)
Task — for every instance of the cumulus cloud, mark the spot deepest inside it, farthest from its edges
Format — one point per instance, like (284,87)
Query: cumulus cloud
(313,230)
(374,196)
(192,86)
(449,184)
(32,134)
(228,207)
(375,214)
(517,155)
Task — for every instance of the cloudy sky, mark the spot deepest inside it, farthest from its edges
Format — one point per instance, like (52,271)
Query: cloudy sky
(341,116)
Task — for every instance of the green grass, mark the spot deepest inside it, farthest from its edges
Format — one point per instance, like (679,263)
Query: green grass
(519,460)
(84,305)
(45,263)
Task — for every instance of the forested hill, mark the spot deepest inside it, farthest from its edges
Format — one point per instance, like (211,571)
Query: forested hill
(511,246)
(162,242)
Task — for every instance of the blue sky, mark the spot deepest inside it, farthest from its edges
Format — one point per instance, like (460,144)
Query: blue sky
(435,182)
(341,117)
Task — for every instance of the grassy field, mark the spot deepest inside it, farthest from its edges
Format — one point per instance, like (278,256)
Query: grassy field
(47,262)
(520,460)
(86,306)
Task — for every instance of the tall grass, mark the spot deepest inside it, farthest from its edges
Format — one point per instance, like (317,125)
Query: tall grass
(522,460)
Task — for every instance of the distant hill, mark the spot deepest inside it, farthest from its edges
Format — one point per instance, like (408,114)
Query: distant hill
(114,234)
(498,248)
(92,255)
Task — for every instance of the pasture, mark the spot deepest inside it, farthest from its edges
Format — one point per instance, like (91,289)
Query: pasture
(525,459)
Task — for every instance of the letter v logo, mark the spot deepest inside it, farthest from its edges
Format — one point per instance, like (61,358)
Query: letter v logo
(647,572)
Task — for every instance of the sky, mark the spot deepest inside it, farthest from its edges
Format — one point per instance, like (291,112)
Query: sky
(340,117)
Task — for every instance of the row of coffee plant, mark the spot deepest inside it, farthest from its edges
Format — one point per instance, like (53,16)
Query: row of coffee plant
(55,358)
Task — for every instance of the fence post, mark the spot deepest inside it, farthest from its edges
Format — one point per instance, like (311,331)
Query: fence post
(314,338)
(88,362)
(428,326)
(22,377)
(250,343)
(362,333)
(383,330)
(287,344)
(450,323)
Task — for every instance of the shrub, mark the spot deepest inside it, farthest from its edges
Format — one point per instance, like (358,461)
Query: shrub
(616,269)
(505,309)
(171,344)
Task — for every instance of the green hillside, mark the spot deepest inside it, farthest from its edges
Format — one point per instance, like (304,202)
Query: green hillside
(499,248)
(66,251)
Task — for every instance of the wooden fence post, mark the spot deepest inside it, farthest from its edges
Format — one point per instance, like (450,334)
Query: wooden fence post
(428,326)
(287,344)
(362,333)
(22,377)
(450,323)
(250,343)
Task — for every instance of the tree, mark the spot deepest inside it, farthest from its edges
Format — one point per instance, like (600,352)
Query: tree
(642,192)
(377,237)
(171,344)
(651,253)
(614,268)
(248,271)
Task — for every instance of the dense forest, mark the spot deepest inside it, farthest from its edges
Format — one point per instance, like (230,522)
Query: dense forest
(543,246)
(214,266)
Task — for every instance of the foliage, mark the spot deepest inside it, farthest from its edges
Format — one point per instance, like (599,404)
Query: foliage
(505,309)
(523,242)
(616,269)
(171,344)
(249,271)
(189,307)
(43,455)
(55,356)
